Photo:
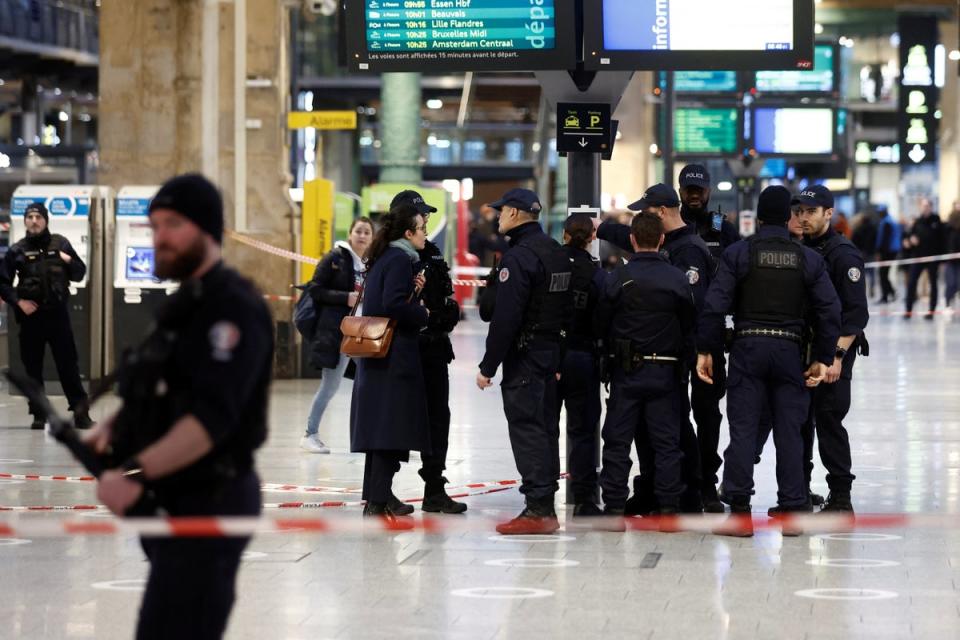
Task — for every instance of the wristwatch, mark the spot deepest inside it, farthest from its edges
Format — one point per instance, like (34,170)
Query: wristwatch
(132,470)
(841,353)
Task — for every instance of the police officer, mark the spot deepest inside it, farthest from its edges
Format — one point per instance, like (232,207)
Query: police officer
(770,284)
(712,226)
(44,264)
(531,311)
(194,410)
(579,385)
(685,250)
(436,354)
(831,400)
(647,317)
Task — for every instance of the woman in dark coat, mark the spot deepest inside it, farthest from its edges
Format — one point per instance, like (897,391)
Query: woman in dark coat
(388,416)
(334,288)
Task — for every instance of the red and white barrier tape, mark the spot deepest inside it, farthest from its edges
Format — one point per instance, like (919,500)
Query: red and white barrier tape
(20,476)
(269,248)
(893,263)
(214,527)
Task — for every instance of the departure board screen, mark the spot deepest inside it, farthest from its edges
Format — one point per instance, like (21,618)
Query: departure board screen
(820,79)
(794,131)
(460,35)
(705,81)
(699,34)
(706,131)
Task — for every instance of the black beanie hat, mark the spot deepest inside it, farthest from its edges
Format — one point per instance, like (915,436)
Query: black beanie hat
(774,206)
(40,208)
(196,198)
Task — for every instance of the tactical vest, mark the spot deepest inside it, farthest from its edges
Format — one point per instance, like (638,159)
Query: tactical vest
(773,290)
(43,277)
(584,268)
(550,303)
(710,258)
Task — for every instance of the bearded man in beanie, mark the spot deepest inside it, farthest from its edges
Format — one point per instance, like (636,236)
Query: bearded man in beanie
(194,411)
(770,285)
(44,265)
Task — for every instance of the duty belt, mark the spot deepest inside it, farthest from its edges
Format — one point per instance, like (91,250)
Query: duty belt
(656,358)
(770,333)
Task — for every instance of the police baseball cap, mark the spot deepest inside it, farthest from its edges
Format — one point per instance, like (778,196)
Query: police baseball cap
(413,199)
(814,196)
(695,175)
(659,195)
(522,199)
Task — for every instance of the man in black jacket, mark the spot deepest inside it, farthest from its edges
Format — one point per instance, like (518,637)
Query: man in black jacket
(926,238)
(44,265)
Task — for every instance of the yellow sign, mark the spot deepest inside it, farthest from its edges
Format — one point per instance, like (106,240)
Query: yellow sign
(326,120)
(316,223)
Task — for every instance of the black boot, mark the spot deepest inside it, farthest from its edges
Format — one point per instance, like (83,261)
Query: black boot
(643,502)
(81,419)
(788,527)
(38,424)
(838,502)
(816,499)
(399,508)
(711,501)
(436,500)
(586,509)
(739,523)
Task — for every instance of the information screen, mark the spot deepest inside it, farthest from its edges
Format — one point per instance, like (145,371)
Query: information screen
(706,131)
(464,35)
(674,34)
(793,132)
(705,81)
(140,263)
(818,80)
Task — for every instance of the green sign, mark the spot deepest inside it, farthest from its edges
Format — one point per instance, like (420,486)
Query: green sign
(706,131)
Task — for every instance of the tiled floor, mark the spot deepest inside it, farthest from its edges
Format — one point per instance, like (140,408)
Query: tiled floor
(905,429)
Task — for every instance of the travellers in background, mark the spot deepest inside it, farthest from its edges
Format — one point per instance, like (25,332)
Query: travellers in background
(889,242)
(194,409)
(771,285)
(531,311)
(865,239)
(44,264)
(579,385)
(388,411)
(953,246)
(927,237)
(646,317)
(335,288)
(436,354)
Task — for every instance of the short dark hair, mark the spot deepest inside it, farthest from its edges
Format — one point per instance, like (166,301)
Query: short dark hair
(646,229)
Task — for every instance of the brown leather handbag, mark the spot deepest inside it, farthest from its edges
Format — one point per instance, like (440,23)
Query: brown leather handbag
(366,336)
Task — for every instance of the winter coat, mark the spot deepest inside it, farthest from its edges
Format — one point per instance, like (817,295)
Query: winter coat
(333,281)
(389,407)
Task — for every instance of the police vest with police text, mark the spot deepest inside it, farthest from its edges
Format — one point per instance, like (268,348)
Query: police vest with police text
(550,302)
(773,291)
(43,277)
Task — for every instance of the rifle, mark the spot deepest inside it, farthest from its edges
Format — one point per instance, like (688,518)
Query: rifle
(66,434)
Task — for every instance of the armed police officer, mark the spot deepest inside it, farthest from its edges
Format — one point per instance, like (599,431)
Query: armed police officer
(712,226)
(685,250)
(647,316)
(579,385)
(44,264)
(831,400)
(436,354)
(530,313)
(770,284)
(194,409)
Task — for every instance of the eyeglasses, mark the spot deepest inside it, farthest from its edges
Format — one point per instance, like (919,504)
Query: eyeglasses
(421,228)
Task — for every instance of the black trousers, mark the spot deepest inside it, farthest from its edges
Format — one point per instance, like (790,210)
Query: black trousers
(51,326)
(886,288)
(933,270)
(434,361)
(644,484)
(378,471)
(806,432)
(192,582)
(705,401)
(831,403)
(529,391)
(579,388)
(648,401)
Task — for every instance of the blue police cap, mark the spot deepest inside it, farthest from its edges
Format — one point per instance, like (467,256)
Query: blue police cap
(522,199)
(413,199)
(659,195)
(695,175)
(815,195)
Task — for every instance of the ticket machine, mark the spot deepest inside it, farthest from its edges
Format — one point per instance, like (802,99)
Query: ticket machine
(136,292)
(77,213)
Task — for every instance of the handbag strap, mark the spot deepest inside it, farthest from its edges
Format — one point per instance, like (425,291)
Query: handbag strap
(363,288)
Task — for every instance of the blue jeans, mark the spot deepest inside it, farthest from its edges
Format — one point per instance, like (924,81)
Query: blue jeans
(329,384)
